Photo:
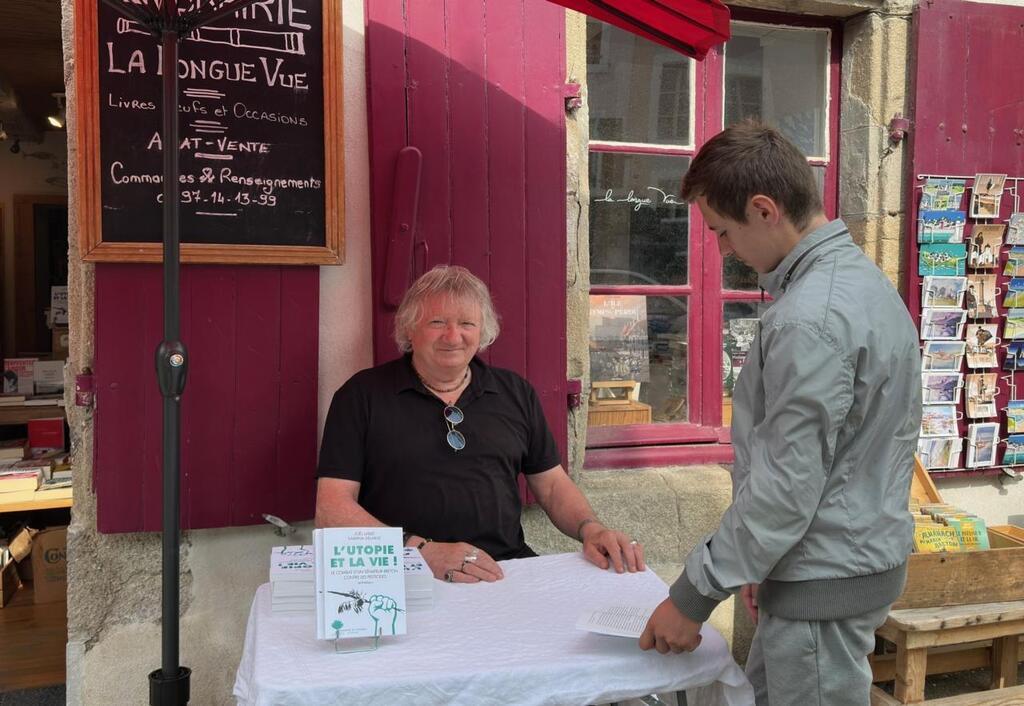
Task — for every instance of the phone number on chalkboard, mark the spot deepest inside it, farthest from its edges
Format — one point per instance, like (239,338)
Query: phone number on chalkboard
(241,198)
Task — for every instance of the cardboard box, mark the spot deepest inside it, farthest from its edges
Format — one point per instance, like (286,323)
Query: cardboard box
(60,342)
(9,582)
(50,565)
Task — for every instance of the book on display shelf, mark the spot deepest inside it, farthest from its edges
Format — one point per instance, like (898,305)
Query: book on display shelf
(15,449)
(15,480)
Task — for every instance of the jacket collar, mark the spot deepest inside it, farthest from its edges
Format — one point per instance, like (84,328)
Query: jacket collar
(800,257)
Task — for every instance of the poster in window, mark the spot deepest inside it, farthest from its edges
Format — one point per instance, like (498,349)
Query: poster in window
(619,347)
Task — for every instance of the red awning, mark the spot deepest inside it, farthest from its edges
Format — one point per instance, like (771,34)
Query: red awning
(688,26)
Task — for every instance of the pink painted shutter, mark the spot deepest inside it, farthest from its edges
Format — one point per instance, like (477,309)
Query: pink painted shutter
(476,86)
(249,411)
(967,118)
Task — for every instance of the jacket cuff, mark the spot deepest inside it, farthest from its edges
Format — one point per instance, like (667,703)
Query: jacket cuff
(689,601)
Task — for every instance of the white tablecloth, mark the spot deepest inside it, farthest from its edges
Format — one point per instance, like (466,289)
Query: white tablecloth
(510,642)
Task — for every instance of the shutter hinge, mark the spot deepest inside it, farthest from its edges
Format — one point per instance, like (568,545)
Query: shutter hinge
(574,393)
(573,97)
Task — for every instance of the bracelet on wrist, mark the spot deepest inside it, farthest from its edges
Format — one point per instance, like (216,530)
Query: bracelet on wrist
(583,523)
(422,544)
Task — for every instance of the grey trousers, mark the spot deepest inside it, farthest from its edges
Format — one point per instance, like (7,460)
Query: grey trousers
(816,663)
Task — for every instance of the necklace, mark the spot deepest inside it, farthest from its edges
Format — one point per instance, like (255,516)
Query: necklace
(443,390)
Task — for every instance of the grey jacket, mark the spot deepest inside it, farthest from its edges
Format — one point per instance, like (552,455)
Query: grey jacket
(826,414)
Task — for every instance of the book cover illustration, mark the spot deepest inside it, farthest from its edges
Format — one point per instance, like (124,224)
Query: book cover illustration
(1015,417)
(18,376)
(948,259)
(943,292)
(980,297)
(942,194)
(941,452)
(981,444)
(942,324)
(981,395)
(1015,231)
(937,388)
(982,340)
(986,195)
(1014,454)
(943,355)
(941,226)
(360,582)
(939,420)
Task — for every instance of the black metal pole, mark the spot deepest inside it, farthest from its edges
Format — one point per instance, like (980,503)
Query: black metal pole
(169,686)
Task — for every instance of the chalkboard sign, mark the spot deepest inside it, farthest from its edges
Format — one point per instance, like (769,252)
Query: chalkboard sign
(260,141)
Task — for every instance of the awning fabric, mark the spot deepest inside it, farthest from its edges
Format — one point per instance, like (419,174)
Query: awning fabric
(691,27)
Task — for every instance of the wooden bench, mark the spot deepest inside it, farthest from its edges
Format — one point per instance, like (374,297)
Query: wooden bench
(915,630)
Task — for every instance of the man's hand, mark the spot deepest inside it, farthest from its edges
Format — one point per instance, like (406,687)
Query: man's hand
(668,629)
(455,559)
(602,546)
(749,595)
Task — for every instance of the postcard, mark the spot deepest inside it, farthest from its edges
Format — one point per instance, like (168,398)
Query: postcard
(937,388)
(982,340)
(1014,297)
(981,395)
(941,226)
(1015,232)
(980,297)
(943,291)
(1014,262)
(1015,417)
(981,444)
(942,355)
(939,194)
(986,195)
(941,452)
(942,324)
(948,259)
(1014,359)
(939,420)
(1013,329)
(985,241)
(1014,454)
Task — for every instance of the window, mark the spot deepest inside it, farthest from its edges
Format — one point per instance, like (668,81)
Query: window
(670,324)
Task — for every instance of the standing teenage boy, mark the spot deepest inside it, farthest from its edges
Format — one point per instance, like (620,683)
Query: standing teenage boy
(826,413)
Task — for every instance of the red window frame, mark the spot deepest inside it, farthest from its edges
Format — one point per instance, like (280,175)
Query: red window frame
(704,439)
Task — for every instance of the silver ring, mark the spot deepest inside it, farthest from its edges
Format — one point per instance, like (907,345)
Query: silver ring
(463,567)
(633,541)
(471,556)
(448,576)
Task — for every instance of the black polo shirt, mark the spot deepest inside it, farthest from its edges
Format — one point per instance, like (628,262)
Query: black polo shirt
(387,432)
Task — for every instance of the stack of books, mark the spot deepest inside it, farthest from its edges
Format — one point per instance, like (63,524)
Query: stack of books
(291,579)
(940,527)
(419,581)
(18,486)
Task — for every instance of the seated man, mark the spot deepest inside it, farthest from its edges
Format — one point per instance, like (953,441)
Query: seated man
(434,442)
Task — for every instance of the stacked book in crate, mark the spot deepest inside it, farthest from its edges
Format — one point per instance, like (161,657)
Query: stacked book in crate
(419,580)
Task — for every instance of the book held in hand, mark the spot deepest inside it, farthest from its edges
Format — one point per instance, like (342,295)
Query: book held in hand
(360,582)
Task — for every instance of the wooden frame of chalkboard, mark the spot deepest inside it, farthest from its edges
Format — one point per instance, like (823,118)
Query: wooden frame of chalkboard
(262,144)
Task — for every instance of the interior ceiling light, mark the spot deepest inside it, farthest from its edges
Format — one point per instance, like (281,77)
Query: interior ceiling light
(58,120)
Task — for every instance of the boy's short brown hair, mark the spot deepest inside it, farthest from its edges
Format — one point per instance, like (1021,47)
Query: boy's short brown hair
(748,159)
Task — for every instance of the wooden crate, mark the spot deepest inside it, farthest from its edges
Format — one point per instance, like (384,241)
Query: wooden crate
(615,413)
(991,576)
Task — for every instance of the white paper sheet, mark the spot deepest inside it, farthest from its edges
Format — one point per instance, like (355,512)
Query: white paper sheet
(618,620)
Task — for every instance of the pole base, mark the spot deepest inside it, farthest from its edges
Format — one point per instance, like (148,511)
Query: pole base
(173,691)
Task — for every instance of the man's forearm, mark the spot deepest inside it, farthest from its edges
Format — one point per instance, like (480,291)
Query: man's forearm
(349,514)
(567,508)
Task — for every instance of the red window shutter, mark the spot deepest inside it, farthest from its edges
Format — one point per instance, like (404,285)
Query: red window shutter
(249,412)
(477,89)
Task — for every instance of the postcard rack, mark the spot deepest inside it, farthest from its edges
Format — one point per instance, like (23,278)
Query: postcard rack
(966,291)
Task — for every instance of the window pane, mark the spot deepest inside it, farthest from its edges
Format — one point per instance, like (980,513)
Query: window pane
(738,276)
(639,227)
(638,91)
(739,323)
(638,352)
(779,76)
